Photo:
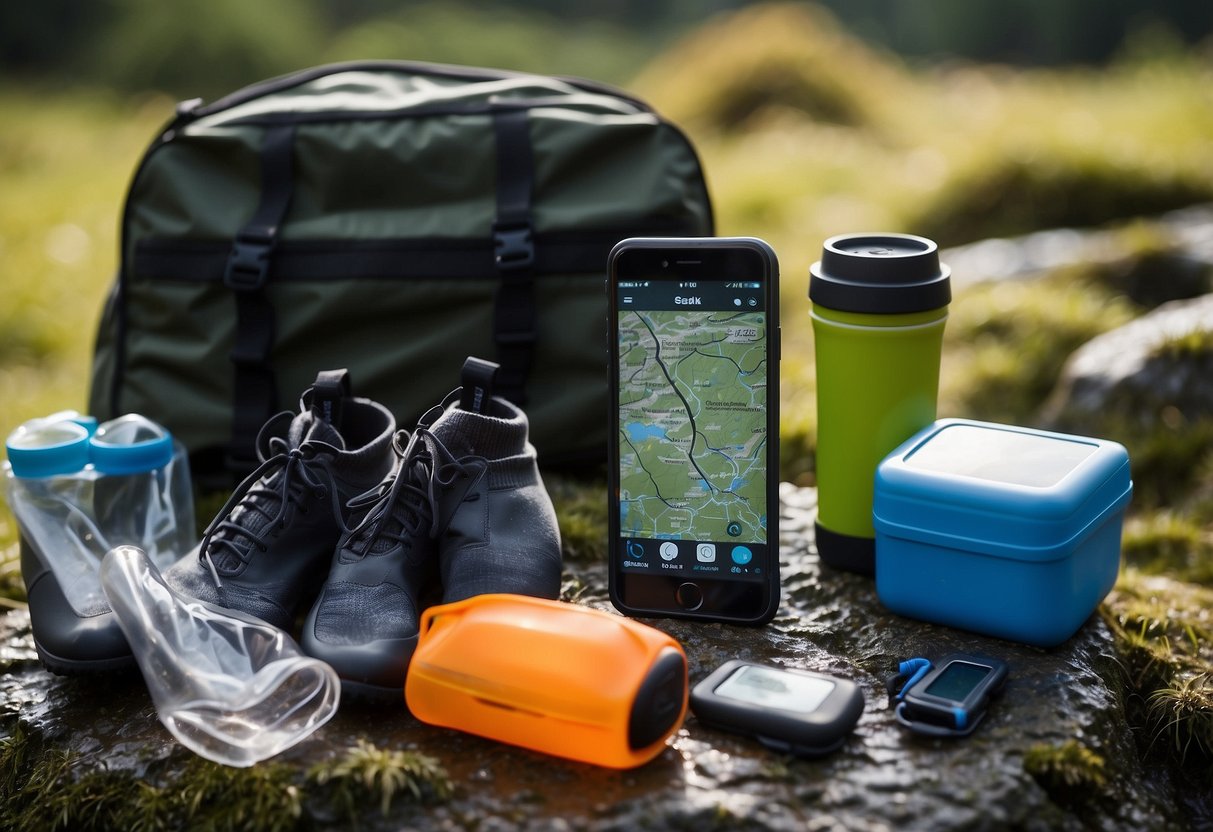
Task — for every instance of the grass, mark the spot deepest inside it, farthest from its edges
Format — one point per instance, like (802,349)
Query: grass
(1164,639)
(43,787)
(64,163)
(47,788)
(1183,714)
(382,776)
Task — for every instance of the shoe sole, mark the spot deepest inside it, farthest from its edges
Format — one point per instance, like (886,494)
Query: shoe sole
(82,667)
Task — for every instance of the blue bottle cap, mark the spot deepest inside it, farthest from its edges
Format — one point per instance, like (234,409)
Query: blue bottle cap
(89,423)
(46,448)
(130,444)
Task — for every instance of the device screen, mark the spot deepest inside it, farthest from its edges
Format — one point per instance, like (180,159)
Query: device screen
(775,689)
(693,428)
(957,681)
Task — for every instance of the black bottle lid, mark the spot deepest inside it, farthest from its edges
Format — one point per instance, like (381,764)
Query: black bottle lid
(885,274)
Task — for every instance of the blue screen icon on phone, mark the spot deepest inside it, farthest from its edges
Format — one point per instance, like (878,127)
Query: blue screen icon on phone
(635,549)
(742,555)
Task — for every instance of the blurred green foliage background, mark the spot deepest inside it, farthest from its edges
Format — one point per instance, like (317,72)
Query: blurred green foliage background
(205,47)
(805,130)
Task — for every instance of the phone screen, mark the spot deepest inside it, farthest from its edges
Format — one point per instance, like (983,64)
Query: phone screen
(693,445)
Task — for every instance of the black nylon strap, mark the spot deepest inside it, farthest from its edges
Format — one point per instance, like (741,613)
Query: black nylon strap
(254,387)
(478,381)
(327,395)
(431,258)
(514,316)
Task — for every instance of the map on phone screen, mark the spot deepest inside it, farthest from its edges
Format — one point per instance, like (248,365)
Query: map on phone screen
(692,421)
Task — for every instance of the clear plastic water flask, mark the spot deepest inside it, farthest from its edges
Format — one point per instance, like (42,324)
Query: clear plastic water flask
(78,489)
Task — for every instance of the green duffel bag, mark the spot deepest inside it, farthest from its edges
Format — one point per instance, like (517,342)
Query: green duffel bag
(392,218)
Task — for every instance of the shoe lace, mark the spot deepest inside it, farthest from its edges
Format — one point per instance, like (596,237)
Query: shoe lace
(407,502)
(282,480)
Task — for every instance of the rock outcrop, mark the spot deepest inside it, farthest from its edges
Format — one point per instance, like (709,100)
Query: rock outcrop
(1155,369)
(1064,707)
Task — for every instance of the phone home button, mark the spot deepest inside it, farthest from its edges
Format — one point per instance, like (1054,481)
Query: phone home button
(689,596)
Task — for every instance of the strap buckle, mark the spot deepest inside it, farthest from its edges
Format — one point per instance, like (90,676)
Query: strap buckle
(248,266)
(514,246)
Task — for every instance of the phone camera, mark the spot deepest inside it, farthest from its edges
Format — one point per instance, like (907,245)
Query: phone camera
(665,264)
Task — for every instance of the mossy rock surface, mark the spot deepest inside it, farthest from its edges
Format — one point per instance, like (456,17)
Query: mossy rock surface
(1161,361)
(829,621)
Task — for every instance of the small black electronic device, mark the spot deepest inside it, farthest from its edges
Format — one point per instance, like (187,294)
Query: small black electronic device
(694,435)
(950,700)
(792,711)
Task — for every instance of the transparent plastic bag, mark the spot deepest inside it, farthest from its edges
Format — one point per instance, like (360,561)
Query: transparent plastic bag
(229,687)
(78,490)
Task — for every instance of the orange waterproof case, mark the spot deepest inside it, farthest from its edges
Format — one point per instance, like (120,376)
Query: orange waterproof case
(550,676)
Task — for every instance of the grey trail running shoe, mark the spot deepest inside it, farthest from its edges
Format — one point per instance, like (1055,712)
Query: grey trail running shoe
(267,551)
(465,504)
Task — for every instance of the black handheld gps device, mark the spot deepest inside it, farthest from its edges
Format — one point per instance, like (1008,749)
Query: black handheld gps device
(791,711)
(950,699)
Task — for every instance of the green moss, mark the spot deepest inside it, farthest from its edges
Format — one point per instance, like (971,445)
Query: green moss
(1163,543)
(367,773)
(42,787)
(1006,343)
(1150,269)
(1170,460)
(581,510)
(47,788)
(1193,346)
(98,800)
(1015,193)
(1066,771)
(210,796)
(1160,626)
(1165,643)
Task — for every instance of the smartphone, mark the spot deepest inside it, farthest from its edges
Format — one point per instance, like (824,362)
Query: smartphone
(792,711)
(694,436)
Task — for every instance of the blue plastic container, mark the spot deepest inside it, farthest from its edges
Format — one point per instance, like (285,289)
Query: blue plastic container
(1007,531)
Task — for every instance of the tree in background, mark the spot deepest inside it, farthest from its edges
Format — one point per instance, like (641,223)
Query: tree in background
(206,47)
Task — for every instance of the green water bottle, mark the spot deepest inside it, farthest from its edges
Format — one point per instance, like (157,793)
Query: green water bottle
(880,302)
